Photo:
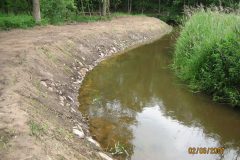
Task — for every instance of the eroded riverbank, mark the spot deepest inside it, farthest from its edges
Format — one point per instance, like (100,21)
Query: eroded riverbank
(41,72)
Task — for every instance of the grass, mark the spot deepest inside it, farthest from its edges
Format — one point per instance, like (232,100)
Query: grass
(66,68)
(24,21)
(126,14)
(8,22)
(207,54)
(118,149)
(48,54)
(73,17)
(35,128)
(37,84)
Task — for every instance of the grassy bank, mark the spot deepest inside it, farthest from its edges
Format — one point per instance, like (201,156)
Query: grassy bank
(11,21)
(207,54)
(24,21)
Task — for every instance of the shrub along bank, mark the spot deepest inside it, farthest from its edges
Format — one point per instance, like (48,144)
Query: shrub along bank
(207,54)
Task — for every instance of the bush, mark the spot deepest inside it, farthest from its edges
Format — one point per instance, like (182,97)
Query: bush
(207,54)
(55,10)
(8,22)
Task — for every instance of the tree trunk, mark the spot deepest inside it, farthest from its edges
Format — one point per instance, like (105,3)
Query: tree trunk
(100,9)
(83,10)
(104,8)
(6,6)
(16,9)
(89,12)
(130,6)
(66,15)
(108,8)
(36,11)
(159,6)
(142,6)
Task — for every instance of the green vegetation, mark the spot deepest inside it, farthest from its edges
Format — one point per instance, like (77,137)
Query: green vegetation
(207,54)
(37,84)
(35,128)
(118,149)
(19,14)
(11,21)
(128,14)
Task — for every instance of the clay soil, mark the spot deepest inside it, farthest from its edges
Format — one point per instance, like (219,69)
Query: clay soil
(41,71)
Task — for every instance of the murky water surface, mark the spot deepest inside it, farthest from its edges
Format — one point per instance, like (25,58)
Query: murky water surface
(135,100)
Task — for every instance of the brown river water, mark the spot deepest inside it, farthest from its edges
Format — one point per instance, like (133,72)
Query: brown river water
(135,100)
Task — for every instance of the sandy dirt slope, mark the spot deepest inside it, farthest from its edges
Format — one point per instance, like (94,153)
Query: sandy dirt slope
(41,71)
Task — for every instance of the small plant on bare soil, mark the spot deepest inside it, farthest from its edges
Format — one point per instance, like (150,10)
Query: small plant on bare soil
(37,84)
(35,128)
(66,68)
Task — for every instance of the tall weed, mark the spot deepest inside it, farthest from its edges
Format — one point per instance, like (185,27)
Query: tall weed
(207,54)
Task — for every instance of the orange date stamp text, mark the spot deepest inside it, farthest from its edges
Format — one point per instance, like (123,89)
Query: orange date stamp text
(193,150)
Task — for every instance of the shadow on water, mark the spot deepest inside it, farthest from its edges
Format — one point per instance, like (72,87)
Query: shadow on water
(136,100)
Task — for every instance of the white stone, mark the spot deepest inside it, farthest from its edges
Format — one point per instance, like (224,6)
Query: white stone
(73,109)
(106,157)
(61,98)
(78,132)
(50,89)
(70,98)
(43,83)
(77,82)
(93,141)
(80,64)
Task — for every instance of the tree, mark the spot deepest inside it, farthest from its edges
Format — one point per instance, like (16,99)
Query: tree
(129,6)
(159,7)
(104,8)
(36,11)
(5,4)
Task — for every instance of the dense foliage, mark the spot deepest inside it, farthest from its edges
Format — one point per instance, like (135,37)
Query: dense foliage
(55,11)
(207,54)
(11,21)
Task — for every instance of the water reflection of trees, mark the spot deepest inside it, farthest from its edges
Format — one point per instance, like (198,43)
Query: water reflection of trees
(114,93)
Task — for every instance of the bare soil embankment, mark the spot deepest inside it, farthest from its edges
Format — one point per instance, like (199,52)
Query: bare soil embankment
(41,72)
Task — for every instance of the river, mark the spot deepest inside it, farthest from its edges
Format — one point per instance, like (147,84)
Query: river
(135,101)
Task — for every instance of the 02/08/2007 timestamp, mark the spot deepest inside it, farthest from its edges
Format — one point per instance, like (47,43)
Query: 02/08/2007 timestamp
(193,150)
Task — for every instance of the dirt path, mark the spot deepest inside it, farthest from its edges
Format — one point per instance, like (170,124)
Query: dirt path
(41,72)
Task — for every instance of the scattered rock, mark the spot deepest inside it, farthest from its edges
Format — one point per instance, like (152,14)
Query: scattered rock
(50,89)
(83,71)
(93,141)
(67,105)
(43,83)
(73,110)
(106,157)
(77,82)
(70,98)
(52,84)
(78,131)
(61,98)
(80,64)
(91,67)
